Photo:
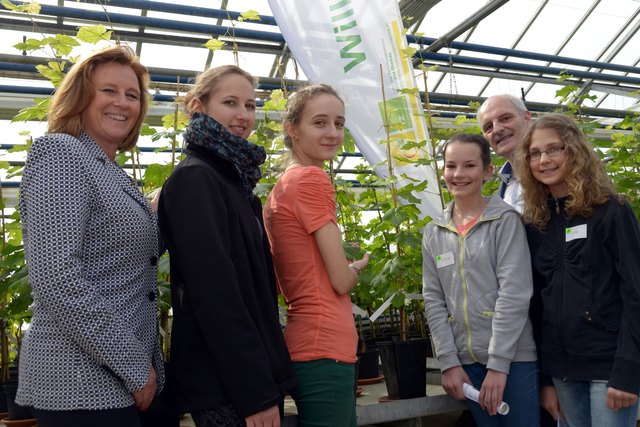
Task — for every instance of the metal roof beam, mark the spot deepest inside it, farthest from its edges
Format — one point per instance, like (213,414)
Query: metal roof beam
(156,23)
(455,104)
(515,53)
(602,87)
(136,37)
(178,9)
(515,66)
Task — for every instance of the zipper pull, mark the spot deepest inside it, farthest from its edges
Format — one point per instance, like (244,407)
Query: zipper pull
(557,206)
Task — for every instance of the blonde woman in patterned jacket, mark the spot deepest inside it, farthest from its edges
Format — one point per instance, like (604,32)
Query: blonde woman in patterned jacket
(91,356)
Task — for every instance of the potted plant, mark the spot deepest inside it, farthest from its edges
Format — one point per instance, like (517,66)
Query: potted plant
(399,275)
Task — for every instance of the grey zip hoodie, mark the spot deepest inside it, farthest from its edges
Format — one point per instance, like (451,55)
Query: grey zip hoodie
(477,289)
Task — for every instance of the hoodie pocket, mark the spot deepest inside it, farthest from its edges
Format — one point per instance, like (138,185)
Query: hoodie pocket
(593,317)
(485,306)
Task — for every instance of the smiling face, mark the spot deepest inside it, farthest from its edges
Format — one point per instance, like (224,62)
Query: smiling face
(463,170)
(503,125)
(115,107)
(319,133)
(232,103)
(550,171)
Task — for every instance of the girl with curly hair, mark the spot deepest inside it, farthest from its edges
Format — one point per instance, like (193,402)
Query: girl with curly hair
(584,240)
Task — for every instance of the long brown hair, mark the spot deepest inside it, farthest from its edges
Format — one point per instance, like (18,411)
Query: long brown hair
(587,182)
(293,112)
(76,92)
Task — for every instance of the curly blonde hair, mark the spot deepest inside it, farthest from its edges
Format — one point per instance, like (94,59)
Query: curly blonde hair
(587,183)
(76,92)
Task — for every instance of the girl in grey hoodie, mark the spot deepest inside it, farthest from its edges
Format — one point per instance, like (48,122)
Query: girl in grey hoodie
(477,286)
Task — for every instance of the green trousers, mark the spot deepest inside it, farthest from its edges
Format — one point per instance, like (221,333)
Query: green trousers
(325,395)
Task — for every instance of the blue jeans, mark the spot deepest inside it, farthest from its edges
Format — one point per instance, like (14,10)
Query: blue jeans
(522,393)
(584,403)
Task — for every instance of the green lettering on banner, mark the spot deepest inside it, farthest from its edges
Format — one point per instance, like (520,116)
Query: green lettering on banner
(339,5)
(358,57)
(351,40)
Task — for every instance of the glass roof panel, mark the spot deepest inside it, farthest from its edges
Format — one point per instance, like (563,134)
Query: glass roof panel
(505,28)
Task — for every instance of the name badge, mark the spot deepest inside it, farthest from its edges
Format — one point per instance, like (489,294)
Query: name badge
(577,232)
(444,260)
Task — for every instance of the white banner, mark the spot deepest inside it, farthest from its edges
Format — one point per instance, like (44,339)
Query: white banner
(344,43)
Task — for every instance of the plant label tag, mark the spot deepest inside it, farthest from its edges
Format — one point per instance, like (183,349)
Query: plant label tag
(577,232)
(444,260)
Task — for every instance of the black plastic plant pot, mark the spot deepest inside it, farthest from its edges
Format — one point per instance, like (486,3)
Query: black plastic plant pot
(10,388)
(404,364)
(16,412)
(368,364)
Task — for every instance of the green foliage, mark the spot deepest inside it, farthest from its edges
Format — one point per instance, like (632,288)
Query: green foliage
(164,286)
(29,45)
(214,44)
(249,15)
(570,94)
(94,34)
(620,154)
(37,111)
(54,71)
(61,44)
(408,52)
(172,121)
(621,157)
(276,101)
(155,175)
(30,8)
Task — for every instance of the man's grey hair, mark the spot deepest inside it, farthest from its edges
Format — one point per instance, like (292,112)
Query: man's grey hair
(517,102)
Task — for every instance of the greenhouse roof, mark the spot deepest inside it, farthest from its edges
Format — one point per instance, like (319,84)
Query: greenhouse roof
(472,49)
(480,48)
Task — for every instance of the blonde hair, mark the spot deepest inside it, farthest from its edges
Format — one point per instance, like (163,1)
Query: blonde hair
(587,182)
(76,92)
(206,83)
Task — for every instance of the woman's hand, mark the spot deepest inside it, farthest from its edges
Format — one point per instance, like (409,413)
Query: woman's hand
(618,399)
(143,397)
(360,264)
(267,418)
(155,199)
(549,401)
(452,380)
(492,391)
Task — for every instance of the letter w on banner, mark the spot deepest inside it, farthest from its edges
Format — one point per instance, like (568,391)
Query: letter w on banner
(343,43)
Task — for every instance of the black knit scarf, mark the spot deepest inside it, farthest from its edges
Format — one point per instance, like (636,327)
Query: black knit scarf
(245,156)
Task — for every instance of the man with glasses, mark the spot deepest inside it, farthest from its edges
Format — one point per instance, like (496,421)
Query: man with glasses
(504,120)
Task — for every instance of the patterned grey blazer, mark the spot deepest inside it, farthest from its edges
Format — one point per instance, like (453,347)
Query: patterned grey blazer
(91,246)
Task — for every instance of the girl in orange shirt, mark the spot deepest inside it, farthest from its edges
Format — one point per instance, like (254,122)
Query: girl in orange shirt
(312,269)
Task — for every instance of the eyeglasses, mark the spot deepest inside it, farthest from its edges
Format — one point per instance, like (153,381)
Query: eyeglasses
(534,156)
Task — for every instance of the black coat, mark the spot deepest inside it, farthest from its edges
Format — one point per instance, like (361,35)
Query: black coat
(586,302)
(227,345)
